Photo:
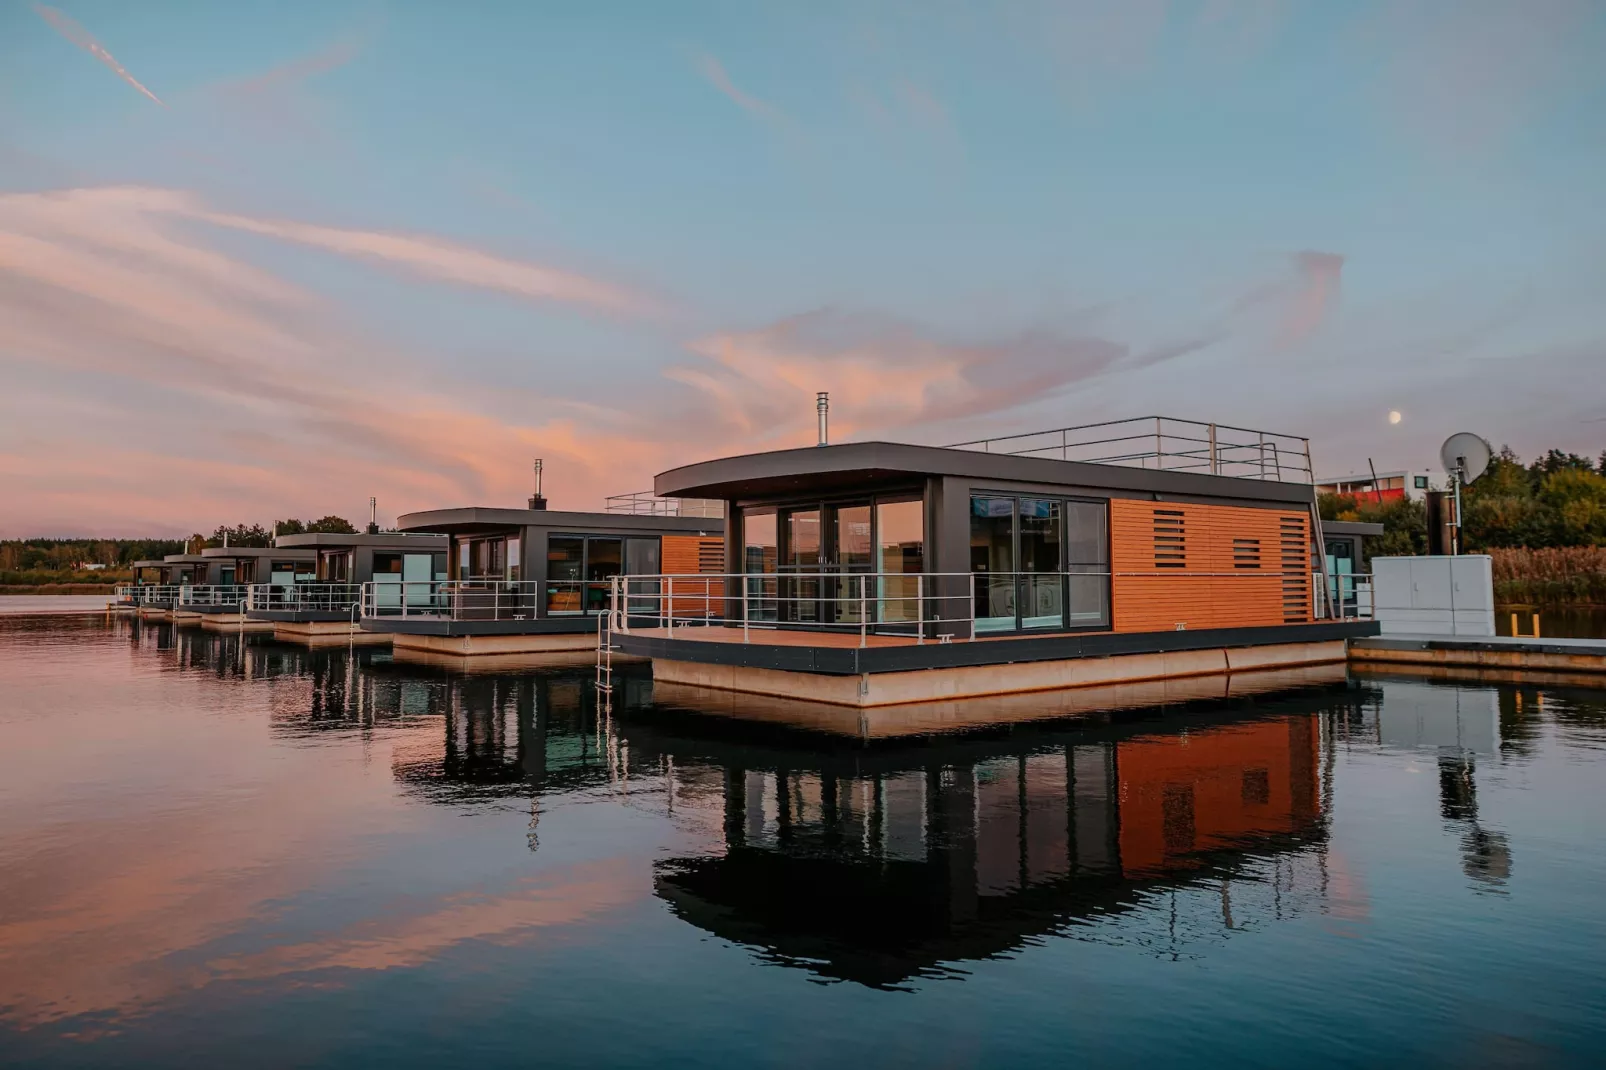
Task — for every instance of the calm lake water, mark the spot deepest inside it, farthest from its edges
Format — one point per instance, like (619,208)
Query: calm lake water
(225,851)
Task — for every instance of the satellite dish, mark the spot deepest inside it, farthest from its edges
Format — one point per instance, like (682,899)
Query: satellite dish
(1465,456)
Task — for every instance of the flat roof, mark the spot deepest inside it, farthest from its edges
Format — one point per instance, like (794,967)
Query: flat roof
(482,518)
(385,540)
(148,564)
(214,552)
(1350,527)
(183,559)
(812,468)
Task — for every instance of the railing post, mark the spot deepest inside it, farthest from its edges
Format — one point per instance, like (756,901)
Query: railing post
(972,609)
(1215,462)
(920,609)
(864,618)
(746,631)
(669,601)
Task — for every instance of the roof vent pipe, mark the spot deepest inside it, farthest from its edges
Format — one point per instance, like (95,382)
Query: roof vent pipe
(822,404)
(536,501)
(373,515)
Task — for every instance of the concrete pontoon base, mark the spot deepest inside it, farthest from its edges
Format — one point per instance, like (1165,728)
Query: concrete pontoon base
(233,622)
(968,714)
(184,616)
(564,659)
(478,645)
(1005,678)
(155,613)
(326,633)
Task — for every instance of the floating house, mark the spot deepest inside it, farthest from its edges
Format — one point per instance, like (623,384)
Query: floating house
(158,585)
(217,594)
(322,608)
(878,573)
(533,581)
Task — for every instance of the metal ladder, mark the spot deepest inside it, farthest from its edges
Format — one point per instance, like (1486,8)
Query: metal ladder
(604,676)
(1319,540)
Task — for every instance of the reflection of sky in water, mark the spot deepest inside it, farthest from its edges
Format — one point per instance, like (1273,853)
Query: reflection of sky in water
(227,852)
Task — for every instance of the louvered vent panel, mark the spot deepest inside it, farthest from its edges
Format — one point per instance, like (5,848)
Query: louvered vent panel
(1170,539)
(1294,545)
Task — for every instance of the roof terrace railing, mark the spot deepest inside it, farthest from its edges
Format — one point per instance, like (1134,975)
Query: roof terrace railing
(646,503)
(1167,443)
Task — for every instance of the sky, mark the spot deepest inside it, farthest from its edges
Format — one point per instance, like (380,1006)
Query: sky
(260,261)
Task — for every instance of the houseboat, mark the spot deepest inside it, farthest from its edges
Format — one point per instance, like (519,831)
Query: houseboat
(322,608)
(216,596)
(532,582)
(158,584)
(881,573)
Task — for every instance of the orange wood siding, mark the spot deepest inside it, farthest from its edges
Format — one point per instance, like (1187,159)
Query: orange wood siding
(687,555)
(1195,565)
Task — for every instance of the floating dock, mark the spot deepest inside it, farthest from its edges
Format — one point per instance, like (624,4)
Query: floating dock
(1489,652)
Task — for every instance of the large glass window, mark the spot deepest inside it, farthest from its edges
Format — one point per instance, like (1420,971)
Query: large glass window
(992,559)
(605,559)
(565,569)
(760,558)
(1041,530)
(900,558)
(1087,559)
(800,593)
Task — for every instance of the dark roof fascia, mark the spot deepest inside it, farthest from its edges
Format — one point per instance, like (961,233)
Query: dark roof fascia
(481,518)
(1351,527)
(213,553)
(760,474)
(328,540)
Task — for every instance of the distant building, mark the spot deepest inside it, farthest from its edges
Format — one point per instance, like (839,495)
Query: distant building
(1384,486)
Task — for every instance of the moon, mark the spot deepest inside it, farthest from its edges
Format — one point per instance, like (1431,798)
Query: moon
(1394,416)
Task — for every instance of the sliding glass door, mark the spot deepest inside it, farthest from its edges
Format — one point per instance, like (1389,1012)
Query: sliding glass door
(815,563)
(1039,563)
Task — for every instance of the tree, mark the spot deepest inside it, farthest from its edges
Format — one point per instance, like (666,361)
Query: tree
(332,525)
(241,535)
(289,527)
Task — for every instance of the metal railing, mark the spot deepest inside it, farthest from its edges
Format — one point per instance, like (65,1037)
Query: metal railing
(940,606)
(213,595)
(1164,442)
(1349,594)
(485,599)
(303,597)
(646,503)
(141,594)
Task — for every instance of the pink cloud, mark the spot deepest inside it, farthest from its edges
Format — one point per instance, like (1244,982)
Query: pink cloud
(714,71)
(80,37)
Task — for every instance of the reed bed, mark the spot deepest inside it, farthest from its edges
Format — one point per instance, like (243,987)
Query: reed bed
(1569,575)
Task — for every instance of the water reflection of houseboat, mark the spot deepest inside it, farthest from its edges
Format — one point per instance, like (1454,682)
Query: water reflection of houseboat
(880,867)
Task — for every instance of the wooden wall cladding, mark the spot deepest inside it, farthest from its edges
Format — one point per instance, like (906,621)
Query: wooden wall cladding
(1207,566)
(686,555)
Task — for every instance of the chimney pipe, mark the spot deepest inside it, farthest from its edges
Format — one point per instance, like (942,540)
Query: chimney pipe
(373,516)
(822,404)
(536,501)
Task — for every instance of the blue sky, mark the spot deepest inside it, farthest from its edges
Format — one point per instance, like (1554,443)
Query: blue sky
(402,248)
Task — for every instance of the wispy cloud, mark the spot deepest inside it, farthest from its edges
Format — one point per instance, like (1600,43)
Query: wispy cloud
(714,71)
(79,36)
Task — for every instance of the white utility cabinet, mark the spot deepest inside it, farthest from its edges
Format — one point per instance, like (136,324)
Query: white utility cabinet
(1434,595)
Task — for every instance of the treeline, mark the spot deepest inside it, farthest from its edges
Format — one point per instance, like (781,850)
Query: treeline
(1557,501)
(1543,523)
(66,555)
